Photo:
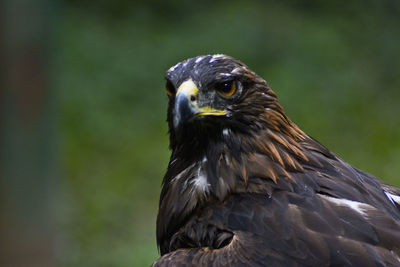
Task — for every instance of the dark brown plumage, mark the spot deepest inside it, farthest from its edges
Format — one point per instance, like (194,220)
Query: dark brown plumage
(246,187)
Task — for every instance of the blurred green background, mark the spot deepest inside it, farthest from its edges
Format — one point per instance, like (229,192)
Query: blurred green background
(334,65)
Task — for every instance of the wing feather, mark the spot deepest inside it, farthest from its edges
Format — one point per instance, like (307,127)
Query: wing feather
(285,231)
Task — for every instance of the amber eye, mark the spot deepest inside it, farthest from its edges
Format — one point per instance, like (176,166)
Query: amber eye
(169,87)
(227,89)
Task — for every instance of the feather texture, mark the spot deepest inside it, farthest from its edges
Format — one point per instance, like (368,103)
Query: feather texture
(252,189)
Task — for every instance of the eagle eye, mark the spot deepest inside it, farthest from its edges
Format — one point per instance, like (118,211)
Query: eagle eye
(169,87)
(227,88)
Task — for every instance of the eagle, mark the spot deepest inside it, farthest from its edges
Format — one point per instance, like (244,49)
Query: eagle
(245,186)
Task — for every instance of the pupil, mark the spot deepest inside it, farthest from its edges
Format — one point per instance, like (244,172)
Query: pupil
(226,87)
(170,88)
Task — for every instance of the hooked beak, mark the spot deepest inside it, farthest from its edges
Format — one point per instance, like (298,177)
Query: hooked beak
(186,105)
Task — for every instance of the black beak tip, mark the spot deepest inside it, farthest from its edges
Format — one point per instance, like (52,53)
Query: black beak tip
(183,112)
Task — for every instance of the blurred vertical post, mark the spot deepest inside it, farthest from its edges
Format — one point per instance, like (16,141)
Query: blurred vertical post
(27,139)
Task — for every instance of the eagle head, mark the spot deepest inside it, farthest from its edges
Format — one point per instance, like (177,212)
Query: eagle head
(213,96)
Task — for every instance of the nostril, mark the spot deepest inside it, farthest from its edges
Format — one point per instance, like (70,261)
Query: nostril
(192,98)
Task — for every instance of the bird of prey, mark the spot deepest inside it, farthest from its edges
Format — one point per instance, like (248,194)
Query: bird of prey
(246,187)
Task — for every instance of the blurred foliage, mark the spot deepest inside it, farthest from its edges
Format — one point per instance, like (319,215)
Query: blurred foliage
(334,65)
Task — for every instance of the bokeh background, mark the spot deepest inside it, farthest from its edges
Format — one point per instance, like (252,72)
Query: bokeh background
(83,132)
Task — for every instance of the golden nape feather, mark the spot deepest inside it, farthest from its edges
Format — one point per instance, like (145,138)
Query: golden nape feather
(246,187)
